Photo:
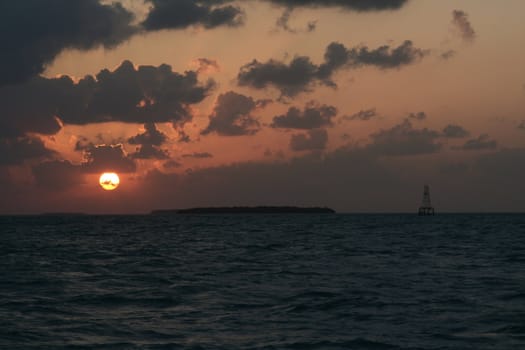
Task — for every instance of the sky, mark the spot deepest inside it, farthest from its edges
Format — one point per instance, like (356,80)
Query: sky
(350,104)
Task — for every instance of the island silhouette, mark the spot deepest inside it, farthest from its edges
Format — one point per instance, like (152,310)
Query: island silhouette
(247,210)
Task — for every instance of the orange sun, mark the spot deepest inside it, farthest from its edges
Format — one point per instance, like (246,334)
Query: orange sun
(109,181)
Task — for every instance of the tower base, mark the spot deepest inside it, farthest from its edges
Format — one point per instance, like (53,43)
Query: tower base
(425,211)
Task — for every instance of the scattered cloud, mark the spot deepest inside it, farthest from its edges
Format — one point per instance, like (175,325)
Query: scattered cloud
(198,155)
(364,115)
(291,79)
(463,26)
(404,140)
(283,23)
(482,142)
(448,54)
(454,131)
(233,115)
(312,117)
(206,66)
(172,164)
(383,57)
(313,140)
(300,75)
(417,116)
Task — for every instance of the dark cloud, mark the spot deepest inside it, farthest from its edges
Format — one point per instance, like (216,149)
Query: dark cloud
(40,115)
(348,179)
(5,179)
(356,5)
(307,180)
(62,174)
(313,140)
(128,94)
(462,24)
(34,32)
(139,95)
(455,168)
(483,142)
(366,114)
(418,116)
(198,155)
(300,75)
(404,140)
(57,175)
(179,14)
(16,150)
(150,136)
(384,57)
(105,158)
(172,164)
(149,143)
(521,125)
(352,180)
(291,79)
(150,152)
(506,165)
(312,117)
(232,115)
(454,131)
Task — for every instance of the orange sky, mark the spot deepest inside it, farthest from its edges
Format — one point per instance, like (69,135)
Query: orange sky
(481,88)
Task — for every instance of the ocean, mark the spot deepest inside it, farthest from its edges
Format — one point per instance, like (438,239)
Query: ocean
(263,282)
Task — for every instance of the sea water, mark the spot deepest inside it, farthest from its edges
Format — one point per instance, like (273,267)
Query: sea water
(262,282)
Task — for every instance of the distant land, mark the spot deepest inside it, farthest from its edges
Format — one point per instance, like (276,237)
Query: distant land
(246,210)
(63,214)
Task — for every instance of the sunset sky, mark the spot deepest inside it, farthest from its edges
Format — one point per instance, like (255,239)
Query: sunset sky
(350,104)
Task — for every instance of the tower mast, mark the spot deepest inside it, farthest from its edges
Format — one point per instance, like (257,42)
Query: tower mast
(426,206)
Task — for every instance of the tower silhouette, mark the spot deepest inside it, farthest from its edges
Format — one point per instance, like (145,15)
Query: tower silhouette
(426,206)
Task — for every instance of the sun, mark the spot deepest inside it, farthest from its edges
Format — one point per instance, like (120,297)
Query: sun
(109,181)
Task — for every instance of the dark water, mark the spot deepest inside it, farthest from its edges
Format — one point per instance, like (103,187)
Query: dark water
(263,282)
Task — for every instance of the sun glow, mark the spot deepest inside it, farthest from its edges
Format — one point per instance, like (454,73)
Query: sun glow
(109,181)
